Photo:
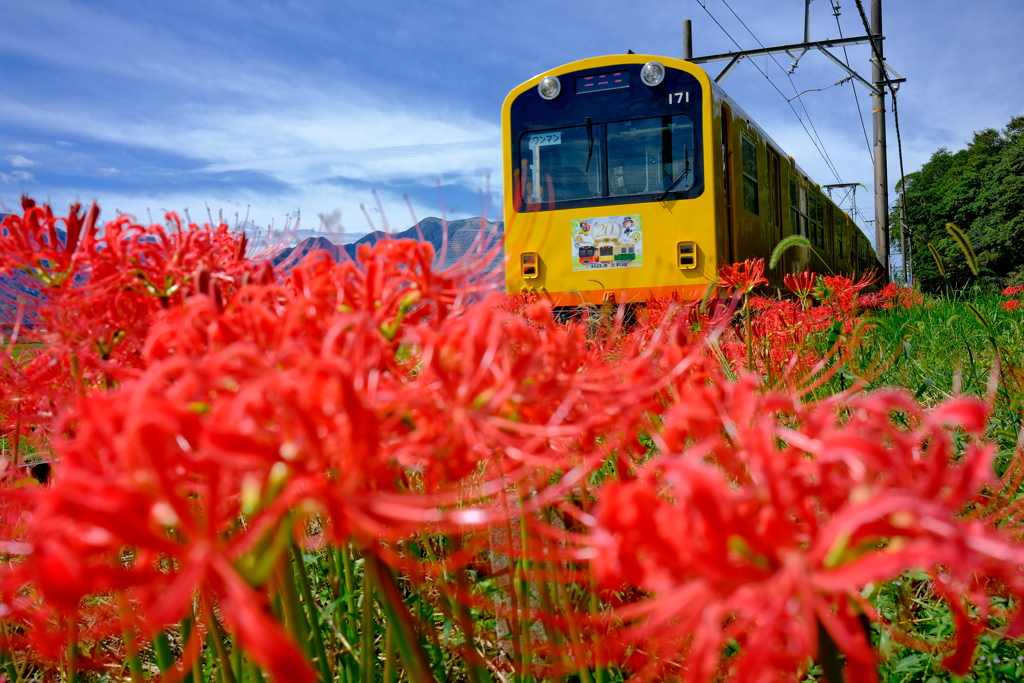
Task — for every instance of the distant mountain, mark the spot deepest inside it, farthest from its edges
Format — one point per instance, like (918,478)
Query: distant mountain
(289,256)
(336,237)
(461,236)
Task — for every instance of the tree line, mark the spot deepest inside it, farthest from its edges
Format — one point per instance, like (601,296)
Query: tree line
(981,190)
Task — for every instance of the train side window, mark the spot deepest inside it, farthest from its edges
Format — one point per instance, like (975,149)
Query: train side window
(651,155)
(774,190)
(748,151)
(840,223)
(798,206)
(817,229)
(561,164)
(794,204)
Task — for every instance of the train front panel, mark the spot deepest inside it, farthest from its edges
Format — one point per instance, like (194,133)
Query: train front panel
(610,181)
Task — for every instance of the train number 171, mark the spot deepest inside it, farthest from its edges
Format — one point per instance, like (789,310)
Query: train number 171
(678,97)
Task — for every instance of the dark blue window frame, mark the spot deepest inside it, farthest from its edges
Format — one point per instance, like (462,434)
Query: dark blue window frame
(530,112)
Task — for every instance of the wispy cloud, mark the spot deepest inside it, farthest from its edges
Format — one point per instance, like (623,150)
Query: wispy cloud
(237,121)
(17,178)
(18,161)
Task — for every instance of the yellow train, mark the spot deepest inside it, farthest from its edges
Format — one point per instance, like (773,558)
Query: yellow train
(630,177)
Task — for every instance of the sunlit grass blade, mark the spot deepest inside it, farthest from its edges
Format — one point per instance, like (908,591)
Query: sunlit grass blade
(781,247)
(938,259)
(965,246)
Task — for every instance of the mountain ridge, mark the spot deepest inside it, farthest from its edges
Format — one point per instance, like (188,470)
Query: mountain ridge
(462,234)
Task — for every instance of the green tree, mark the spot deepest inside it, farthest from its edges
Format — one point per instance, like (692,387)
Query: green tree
(981,189)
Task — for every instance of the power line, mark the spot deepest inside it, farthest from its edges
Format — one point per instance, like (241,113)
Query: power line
(856,97)
(822,151)
(824,157)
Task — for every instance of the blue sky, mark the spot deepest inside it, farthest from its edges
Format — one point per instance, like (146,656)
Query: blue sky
(288,106)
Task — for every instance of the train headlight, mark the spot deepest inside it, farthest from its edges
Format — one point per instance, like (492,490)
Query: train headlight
(549,87)
(652,74)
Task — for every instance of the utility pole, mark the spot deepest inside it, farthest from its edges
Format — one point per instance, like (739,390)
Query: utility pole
(878,129)
(687,39)
(879,81)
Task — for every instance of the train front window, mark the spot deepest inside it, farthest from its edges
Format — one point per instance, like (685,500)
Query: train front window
(561,165)
(651,155)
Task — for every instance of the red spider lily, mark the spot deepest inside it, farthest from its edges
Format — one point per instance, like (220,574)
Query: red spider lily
(97,291)
(307,375)
(893,294)
(135,478)
(801,284)
(1010,305)
(773,517)
(741,278)
(238,402)
(841,292)
(1013,291)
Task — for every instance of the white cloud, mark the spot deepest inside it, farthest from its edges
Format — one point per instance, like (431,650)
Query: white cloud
(340,204)
(293,127)
(18,161)
(319,137)
(107,171)
(17,177)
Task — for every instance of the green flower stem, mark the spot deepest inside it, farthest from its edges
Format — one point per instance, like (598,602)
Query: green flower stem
(293,618)
(513,594)
(459,613)
(130,642)
(548,599)
(313,614)
(237,662)
(73,650)
(367,655)
(216,635)
(599,672)
(522,570)
(575,638)
(747,326)
(425,616)
(162,648)
(345,553)
(390,656)
(417,666)
(196,674)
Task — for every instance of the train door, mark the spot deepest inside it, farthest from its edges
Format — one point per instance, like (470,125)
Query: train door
(727,185)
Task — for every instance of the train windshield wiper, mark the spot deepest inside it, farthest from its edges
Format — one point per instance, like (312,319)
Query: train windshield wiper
(590,140)
(686,172)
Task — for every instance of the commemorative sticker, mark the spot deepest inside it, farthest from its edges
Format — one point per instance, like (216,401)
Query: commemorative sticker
(607,242)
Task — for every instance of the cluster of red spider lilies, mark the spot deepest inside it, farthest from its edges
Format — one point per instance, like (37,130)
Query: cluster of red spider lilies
(662,499)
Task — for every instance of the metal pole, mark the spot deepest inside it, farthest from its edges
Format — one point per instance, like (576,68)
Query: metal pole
(878,126)
(687,39)
(807,21)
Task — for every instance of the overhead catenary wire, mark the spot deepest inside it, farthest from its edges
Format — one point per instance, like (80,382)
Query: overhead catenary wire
(821,151)
(856,97)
